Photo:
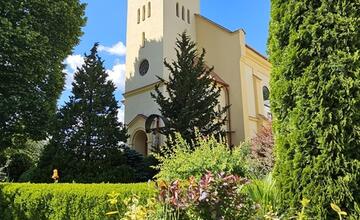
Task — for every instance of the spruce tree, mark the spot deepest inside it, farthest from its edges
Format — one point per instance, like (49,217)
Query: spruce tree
(86,142)
(191,98)
(314,50)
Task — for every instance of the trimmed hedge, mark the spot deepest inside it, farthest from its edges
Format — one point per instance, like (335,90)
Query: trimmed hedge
(64,201)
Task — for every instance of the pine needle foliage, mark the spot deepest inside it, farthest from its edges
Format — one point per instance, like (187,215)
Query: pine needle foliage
(314,49)
(86,142)
(191,95)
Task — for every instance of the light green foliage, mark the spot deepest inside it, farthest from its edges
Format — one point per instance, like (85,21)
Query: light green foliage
(264,193)
(338,210)
(315,100)
(135,209)
(65,201)
(210,155)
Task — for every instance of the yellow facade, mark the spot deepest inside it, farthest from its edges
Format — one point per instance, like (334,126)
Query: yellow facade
(152,29)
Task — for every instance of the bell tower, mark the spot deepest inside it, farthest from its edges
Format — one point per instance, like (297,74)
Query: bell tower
(152,29)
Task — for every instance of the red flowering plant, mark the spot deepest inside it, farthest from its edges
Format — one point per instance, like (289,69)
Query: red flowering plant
(212,197)
(262,147)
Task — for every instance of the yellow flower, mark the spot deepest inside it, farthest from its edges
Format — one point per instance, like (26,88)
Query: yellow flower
(305,202)
(113,201)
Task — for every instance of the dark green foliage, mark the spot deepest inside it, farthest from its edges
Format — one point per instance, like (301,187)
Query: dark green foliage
(314,49)
(193,94)
(86,142)
(19,163)
(35,38)
(64,201)
(15,161)
(141,165)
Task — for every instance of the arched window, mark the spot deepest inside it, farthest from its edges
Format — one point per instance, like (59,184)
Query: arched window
(177,9)
(138,16)
(183,13)
(188,16)
(143,13)
(149,9)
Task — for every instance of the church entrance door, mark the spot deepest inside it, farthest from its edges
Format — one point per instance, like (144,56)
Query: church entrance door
(140,142)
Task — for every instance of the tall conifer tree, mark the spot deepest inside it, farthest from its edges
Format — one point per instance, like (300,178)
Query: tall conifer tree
(314,49)
(87,139)
(191,99)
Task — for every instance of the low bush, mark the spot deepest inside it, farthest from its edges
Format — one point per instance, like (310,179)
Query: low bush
(214,196)
(262,147)
(65,201)
(210,155)
(264,193)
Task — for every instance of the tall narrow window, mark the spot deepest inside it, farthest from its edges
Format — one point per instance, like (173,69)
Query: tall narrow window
(149,9)
(143,13)
(183,13)
(177,9)
(138,16)
(143,39)
(188,16)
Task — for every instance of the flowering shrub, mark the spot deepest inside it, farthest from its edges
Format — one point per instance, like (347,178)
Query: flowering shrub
(214,196)
(210,155)
(262,146)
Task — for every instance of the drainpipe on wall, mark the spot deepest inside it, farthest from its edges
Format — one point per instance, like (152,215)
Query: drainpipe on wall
(229,116)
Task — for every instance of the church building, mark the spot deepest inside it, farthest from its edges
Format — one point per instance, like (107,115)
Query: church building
(243,73)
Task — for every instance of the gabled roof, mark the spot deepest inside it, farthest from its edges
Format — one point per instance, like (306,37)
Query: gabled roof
(229,31)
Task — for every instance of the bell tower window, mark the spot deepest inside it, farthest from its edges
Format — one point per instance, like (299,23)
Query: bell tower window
(188,16)
(177,9)
(143,13)
(149,9)
(138,16)
(183,13)
(143,39)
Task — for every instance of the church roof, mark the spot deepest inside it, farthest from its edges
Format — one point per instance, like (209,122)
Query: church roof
(229,31)
(218,79)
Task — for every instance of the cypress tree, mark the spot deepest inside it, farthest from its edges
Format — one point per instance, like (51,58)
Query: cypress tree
(86,143)
(314,50)
(191,97)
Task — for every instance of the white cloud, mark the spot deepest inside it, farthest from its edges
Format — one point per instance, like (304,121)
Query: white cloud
(72,62)
(118,49)
(117,75)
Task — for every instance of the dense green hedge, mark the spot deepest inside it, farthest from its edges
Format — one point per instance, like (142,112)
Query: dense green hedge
(63,201)
(314,50)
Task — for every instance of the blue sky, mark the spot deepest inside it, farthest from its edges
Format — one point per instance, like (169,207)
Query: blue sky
(107,25)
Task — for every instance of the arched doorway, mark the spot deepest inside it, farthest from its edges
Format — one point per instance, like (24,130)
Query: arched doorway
(140,142)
